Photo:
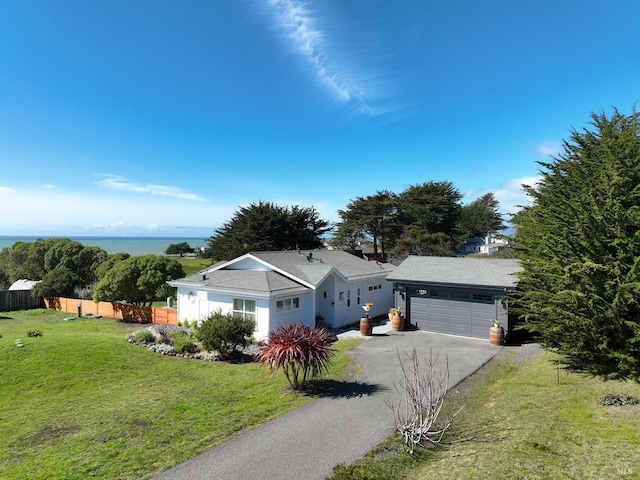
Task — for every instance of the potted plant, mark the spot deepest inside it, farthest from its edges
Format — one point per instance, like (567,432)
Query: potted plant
(496,333)
(397,320)
(366,324)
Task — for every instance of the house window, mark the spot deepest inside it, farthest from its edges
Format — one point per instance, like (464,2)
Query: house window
(341,296)
(246,308)
(358,297)
(438,293)
(480,296)
(348,298)
(460,295)
(287,304)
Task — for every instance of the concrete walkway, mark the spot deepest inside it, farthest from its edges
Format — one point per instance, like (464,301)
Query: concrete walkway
(306,443)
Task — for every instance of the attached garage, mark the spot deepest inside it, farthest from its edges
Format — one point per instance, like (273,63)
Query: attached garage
(456,296)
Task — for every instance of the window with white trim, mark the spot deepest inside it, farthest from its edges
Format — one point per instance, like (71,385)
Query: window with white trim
(244,307)
(285,304)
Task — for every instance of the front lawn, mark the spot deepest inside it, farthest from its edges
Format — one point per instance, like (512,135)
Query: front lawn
(524,420)
(80,402)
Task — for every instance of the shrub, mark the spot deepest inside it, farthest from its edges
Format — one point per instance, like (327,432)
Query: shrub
(85,293)
(142,336)
(182,342)
(302,352)
(224,333)
(206,356)
(611,399)
(162,348)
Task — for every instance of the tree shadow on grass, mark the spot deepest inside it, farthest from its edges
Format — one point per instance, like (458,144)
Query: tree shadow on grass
(238,358)
(341,389)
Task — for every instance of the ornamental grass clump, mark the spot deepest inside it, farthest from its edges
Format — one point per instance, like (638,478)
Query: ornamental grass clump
(301,351)
(183,342)
(142,335)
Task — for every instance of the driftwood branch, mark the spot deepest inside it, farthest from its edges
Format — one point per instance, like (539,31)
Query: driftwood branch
(418,415)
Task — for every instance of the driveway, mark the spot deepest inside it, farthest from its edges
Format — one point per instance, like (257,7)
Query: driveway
(306,443)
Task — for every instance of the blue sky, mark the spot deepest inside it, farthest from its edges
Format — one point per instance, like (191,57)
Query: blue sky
(163,117)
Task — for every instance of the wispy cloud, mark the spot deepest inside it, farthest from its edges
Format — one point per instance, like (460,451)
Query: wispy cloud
(61,211)
(549,149)
(512,196)
(509,194)
(296,22)
(117,182)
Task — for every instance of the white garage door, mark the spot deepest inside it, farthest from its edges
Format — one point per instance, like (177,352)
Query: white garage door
(454,311)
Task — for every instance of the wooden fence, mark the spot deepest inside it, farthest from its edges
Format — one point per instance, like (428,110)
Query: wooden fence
(121,311)
(19,300)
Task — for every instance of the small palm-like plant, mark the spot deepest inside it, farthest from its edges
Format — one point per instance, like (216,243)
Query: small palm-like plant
(301,351)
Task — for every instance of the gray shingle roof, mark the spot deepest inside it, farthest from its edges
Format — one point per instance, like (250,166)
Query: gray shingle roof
(253,281)
(488,272)
(310,270)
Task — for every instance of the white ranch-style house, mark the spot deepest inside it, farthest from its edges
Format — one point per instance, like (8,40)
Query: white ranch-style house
(278,288)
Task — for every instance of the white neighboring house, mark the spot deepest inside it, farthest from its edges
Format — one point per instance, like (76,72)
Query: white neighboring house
(485,245)
(278,288)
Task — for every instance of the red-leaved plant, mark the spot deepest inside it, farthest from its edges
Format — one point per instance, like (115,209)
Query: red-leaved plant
(301,351)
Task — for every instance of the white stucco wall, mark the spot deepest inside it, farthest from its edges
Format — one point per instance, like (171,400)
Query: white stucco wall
(304,314)
(339,310)
(326,301)
(202,303)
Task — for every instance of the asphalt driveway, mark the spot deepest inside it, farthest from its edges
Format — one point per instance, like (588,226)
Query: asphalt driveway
(306,443)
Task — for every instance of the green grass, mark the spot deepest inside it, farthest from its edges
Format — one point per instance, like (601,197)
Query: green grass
(520,423)
(191,265)
(80,402)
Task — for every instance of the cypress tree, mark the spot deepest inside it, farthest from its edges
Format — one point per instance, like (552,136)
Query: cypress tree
(579,243)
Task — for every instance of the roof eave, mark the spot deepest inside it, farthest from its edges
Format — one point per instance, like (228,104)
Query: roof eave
(445,284)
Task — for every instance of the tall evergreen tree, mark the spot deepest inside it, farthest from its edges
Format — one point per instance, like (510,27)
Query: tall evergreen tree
(579,244)
(374,215)
(265,226)
(432,206)
(480,218)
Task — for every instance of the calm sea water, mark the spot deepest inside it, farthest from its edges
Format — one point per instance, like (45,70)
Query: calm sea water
(134,246)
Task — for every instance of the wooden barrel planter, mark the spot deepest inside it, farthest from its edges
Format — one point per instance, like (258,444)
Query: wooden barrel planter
(366,327)
(397,322)
(496,335)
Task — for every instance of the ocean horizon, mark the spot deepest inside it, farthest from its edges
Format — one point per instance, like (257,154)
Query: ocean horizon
(134,246)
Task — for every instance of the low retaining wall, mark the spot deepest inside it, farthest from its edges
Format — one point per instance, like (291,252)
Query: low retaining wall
(127,312)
